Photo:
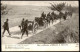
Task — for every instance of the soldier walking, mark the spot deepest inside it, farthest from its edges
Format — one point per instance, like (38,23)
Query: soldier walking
(25,28)
(6,27)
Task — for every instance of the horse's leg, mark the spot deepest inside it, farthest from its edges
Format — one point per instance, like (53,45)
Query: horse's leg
(46,24)
(37,27)
(71,15)
(33,28)
(52,21)
(20,28)
(49,22)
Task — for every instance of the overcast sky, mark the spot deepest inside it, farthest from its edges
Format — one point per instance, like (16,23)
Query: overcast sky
(38,3)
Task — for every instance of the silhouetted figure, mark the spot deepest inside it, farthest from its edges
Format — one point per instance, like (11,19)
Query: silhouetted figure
(42,14)
(6,27)
(65,16)
(52,16)
(48,14)
(52,13)
(22,23)
(25,28)
(48,18)
(61,15)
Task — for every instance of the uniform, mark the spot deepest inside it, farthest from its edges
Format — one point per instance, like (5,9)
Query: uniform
(43,15)
(25,28)
(22,23)
(6,27)
(48,14)
(48,18)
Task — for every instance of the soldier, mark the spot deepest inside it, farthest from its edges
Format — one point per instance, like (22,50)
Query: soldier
(65,16)
(25,28)
(48,18)
(22,23)
(48,14)
(42,15)
(52,16)
(60,15)
(6,27)
(52,13)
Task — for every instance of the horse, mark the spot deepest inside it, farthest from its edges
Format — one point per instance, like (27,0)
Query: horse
(40,21)
(65,16)
(48,18)
(62,15)
(69,14)
(53,17)
(44,20)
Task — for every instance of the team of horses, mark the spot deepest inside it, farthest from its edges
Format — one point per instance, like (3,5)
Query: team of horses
(45,20)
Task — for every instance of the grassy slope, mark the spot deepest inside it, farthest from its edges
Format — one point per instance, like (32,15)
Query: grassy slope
(66,32)
(69,30)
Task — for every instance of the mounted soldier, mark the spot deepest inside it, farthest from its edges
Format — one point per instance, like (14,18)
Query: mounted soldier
(52,13)
(48,18)
(65,16)
(43,15)
(52,16)
(48,14)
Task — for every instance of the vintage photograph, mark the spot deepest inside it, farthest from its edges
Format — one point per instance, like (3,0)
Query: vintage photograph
(39,22)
